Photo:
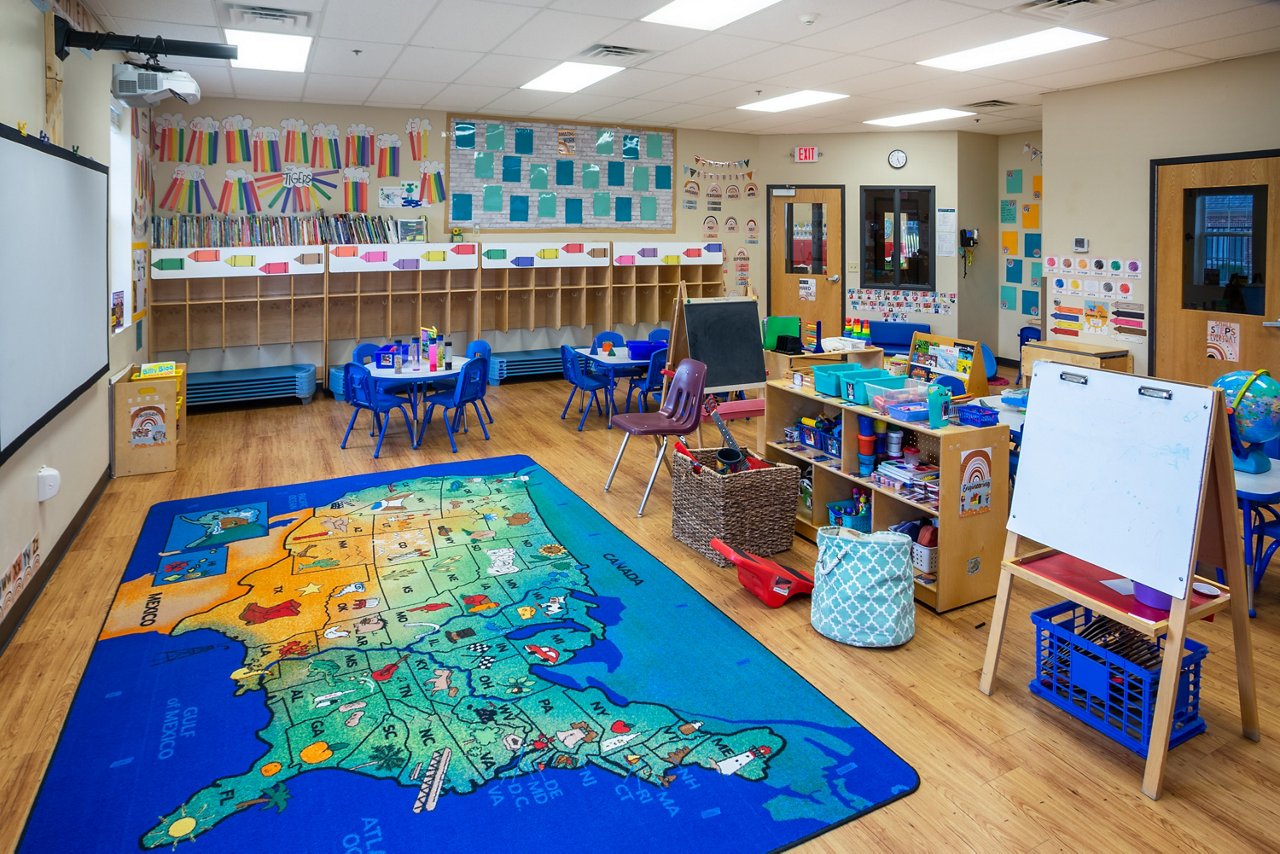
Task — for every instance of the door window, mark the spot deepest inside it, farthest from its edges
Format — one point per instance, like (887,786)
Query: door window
(806,226)
(1225,249)
(897,237)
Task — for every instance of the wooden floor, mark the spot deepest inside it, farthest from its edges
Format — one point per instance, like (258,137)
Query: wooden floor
(1000,773)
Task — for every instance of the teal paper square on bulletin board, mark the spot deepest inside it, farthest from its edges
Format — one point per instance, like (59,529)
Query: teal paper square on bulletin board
(1031,303)
(524,140)
(460,206)
(648,209)
(600,204)
(484,164)
(604,143)
(590,176)
(546,205)
(573,211)
(622,209)
(617,173)
(492,198)
(511,169)
(1031,244)
(662,177)
(1037,270)
(630,147)
(519,208)
(495,137)
(640,179)
(1008,298)
(564,173)
(1013,181)
(464,135)
(653,146)
(1013,270)
(538,176)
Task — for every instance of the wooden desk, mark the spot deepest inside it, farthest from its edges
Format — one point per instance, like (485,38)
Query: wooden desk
(1078,353)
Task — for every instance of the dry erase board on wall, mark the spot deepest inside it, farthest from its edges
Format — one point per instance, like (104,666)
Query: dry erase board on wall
(521,174)
(725,334)
(54,317)
(1111,470)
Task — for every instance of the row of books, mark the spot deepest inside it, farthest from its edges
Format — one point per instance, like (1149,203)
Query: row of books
(917,483)
(216,231)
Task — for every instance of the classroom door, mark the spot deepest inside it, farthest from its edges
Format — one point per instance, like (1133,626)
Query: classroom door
(1217,286)
(806,255)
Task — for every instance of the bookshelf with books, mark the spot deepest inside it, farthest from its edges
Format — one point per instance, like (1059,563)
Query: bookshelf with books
(647,275)
(196,231)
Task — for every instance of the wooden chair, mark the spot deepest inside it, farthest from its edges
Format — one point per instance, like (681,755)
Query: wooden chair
(679,416)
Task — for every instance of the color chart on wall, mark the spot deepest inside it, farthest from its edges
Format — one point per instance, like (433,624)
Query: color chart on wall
(510,174)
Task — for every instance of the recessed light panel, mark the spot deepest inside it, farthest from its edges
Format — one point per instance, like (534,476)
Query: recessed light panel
(705,14)
(918,118)
(805,98)
(269,51)
(1023,47)
(571,76)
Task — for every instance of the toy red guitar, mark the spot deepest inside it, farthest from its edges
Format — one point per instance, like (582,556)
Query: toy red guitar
(711,404)
(770,582)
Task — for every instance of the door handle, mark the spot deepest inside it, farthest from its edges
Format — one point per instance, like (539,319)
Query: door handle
(835,278)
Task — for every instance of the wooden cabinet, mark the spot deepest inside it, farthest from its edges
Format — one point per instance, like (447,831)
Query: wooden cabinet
(551,285)
(1078,353)
(647,275)
(970,534)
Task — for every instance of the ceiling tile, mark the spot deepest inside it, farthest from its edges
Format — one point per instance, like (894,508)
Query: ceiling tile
(392,23)
(337,88)
(653,37)
(457,96)
(336,56)
(764,64)
(904,20)
(407,92)
(1090,75)
(1218,26)
(820,76)
(557,35)
(432,64)
(1145,16)
(520,102)
(1259,41)
(174,11)
(510,72)
(972,32)
(214,82)
(781,22)
(267,85)
(672,114)
(633,82)
(471,24)
(625,9)
(706,53)
(682,89)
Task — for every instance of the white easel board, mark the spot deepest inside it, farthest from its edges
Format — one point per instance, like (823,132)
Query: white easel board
(1111,471)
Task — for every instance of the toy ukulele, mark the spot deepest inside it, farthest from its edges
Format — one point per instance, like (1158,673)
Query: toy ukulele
(711,404)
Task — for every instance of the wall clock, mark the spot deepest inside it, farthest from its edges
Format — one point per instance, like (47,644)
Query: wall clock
(897,158)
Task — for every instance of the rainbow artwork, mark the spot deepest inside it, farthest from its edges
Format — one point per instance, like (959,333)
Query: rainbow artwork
(235,139)
(202,141)
(359,145)
(171,137)
(296,140)
(266,149)
(431,188)
(415,129)
(238,193)
(324,147)
(297,189)
(388,146)
(188,192)
(355,189)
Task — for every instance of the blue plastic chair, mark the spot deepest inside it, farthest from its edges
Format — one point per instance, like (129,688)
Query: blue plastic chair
(472,381)
(364,353)
(660,335)
(614,338)
(992,368)
(650,383)
(1025,335)
(581,382)
(360,390)
(480,347)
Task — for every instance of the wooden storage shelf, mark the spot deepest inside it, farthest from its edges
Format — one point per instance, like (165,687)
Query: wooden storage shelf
(969,544)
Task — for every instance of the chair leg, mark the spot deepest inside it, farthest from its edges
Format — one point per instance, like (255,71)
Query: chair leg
(583,420)
(408,425)
(355,413)
(572,392)
(486,412)
(626,437)
(382,434)
(653,475)
(448,429)
(480,418)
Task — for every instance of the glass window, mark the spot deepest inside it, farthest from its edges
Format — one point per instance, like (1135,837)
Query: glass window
(1224,251)
(807,238)
(897,238)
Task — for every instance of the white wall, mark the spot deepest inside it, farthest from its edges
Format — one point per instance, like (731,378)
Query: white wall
(1099,143)
(978,300)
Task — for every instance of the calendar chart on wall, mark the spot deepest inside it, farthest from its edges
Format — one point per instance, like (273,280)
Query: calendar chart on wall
(520,174)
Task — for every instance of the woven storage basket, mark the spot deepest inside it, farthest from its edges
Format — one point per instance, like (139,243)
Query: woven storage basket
(753,510)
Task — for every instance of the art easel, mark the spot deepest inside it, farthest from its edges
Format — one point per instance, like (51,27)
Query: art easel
(1129,512)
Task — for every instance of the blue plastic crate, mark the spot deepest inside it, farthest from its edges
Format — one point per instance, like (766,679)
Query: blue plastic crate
(1104,689)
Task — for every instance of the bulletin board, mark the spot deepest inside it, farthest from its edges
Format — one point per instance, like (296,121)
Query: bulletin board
(559,176)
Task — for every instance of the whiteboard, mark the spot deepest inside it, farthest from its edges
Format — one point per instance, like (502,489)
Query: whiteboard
(1111,471)
(54,314)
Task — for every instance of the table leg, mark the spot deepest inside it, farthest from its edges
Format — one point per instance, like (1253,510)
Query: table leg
(1247,511)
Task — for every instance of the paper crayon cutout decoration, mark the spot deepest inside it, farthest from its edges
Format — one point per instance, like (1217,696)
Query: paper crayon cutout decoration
(171,137)
(355,190)
(388,154)
(188,192)
(324,147)
(359,145)
(414,131)
(266,149)
(431,189)
(238,193)
(202,141)
(295,137)
(235,139)
(297,188)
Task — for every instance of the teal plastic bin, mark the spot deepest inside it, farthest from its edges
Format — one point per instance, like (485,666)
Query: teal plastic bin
(856,391)
(829,379)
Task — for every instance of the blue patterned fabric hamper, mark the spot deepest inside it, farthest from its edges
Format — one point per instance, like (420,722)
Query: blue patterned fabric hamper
(863,592)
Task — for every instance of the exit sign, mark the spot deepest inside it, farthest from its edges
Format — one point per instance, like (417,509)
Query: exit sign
(806,154)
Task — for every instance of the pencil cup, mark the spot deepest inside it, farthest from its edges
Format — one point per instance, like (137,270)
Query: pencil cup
(731,460)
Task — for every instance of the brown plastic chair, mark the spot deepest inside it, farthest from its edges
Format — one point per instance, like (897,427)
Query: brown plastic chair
(679,416)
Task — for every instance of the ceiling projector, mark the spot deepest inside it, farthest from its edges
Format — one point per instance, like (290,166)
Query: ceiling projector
(141,86)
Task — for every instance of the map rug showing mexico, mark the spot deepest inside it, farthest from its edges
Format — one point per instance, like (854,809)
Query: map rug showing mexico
(461,657)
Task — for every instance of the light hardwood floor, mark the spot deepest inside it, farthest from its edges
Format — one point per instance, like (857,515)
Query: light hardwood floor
(1000,773)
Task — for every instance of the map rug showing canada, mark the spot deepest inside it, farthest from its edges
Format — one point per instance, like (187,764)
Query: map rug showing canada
(462,657)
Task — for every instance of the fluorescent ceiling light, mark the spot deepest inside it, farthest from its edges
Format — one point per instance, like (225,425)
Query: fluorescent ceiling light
(571,76)
(1035,44)
(805,98)
(918,118)
(705,14)
(269,51)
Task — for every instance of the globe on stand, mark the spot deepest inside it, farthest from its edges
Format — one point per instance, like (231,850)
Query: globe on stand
(1253,412)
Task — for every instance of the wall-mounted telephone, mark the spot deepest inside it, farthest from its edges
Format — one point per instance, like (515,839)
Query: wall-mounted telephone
(968,237)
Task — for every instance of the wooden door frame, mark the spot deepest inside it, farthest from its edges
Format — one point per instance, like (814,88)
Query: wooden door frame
(1153,225)
(768,240)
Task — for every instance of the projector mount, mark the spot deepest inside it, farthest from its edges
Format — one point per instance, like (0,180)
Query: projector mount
(66,37)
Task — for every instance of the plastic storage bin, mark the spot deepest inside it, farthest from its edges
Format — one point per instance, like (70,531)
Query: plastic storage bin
(1104,689)
(644,349)
(860,522)
(924,559)
(902,390)
(977,415)
(831,379)
(856,391)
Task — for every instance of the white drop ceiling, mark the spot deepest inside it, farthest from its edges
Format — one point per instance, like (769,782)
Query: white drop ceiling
(473,55)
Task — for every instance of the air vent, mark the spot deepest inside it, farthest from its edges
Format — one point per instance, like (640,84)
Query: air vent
(994,104)
(268,18)
(148,81)
(614,53)
(1074,10)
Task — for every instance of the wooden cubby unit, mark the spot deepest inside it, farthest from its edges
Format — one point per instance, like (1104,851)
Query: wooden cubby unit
(970,546)
(647,275)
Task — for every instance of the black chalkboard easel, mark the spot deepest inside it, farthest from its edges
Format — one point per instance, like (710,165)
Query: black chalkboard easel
(723,332)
